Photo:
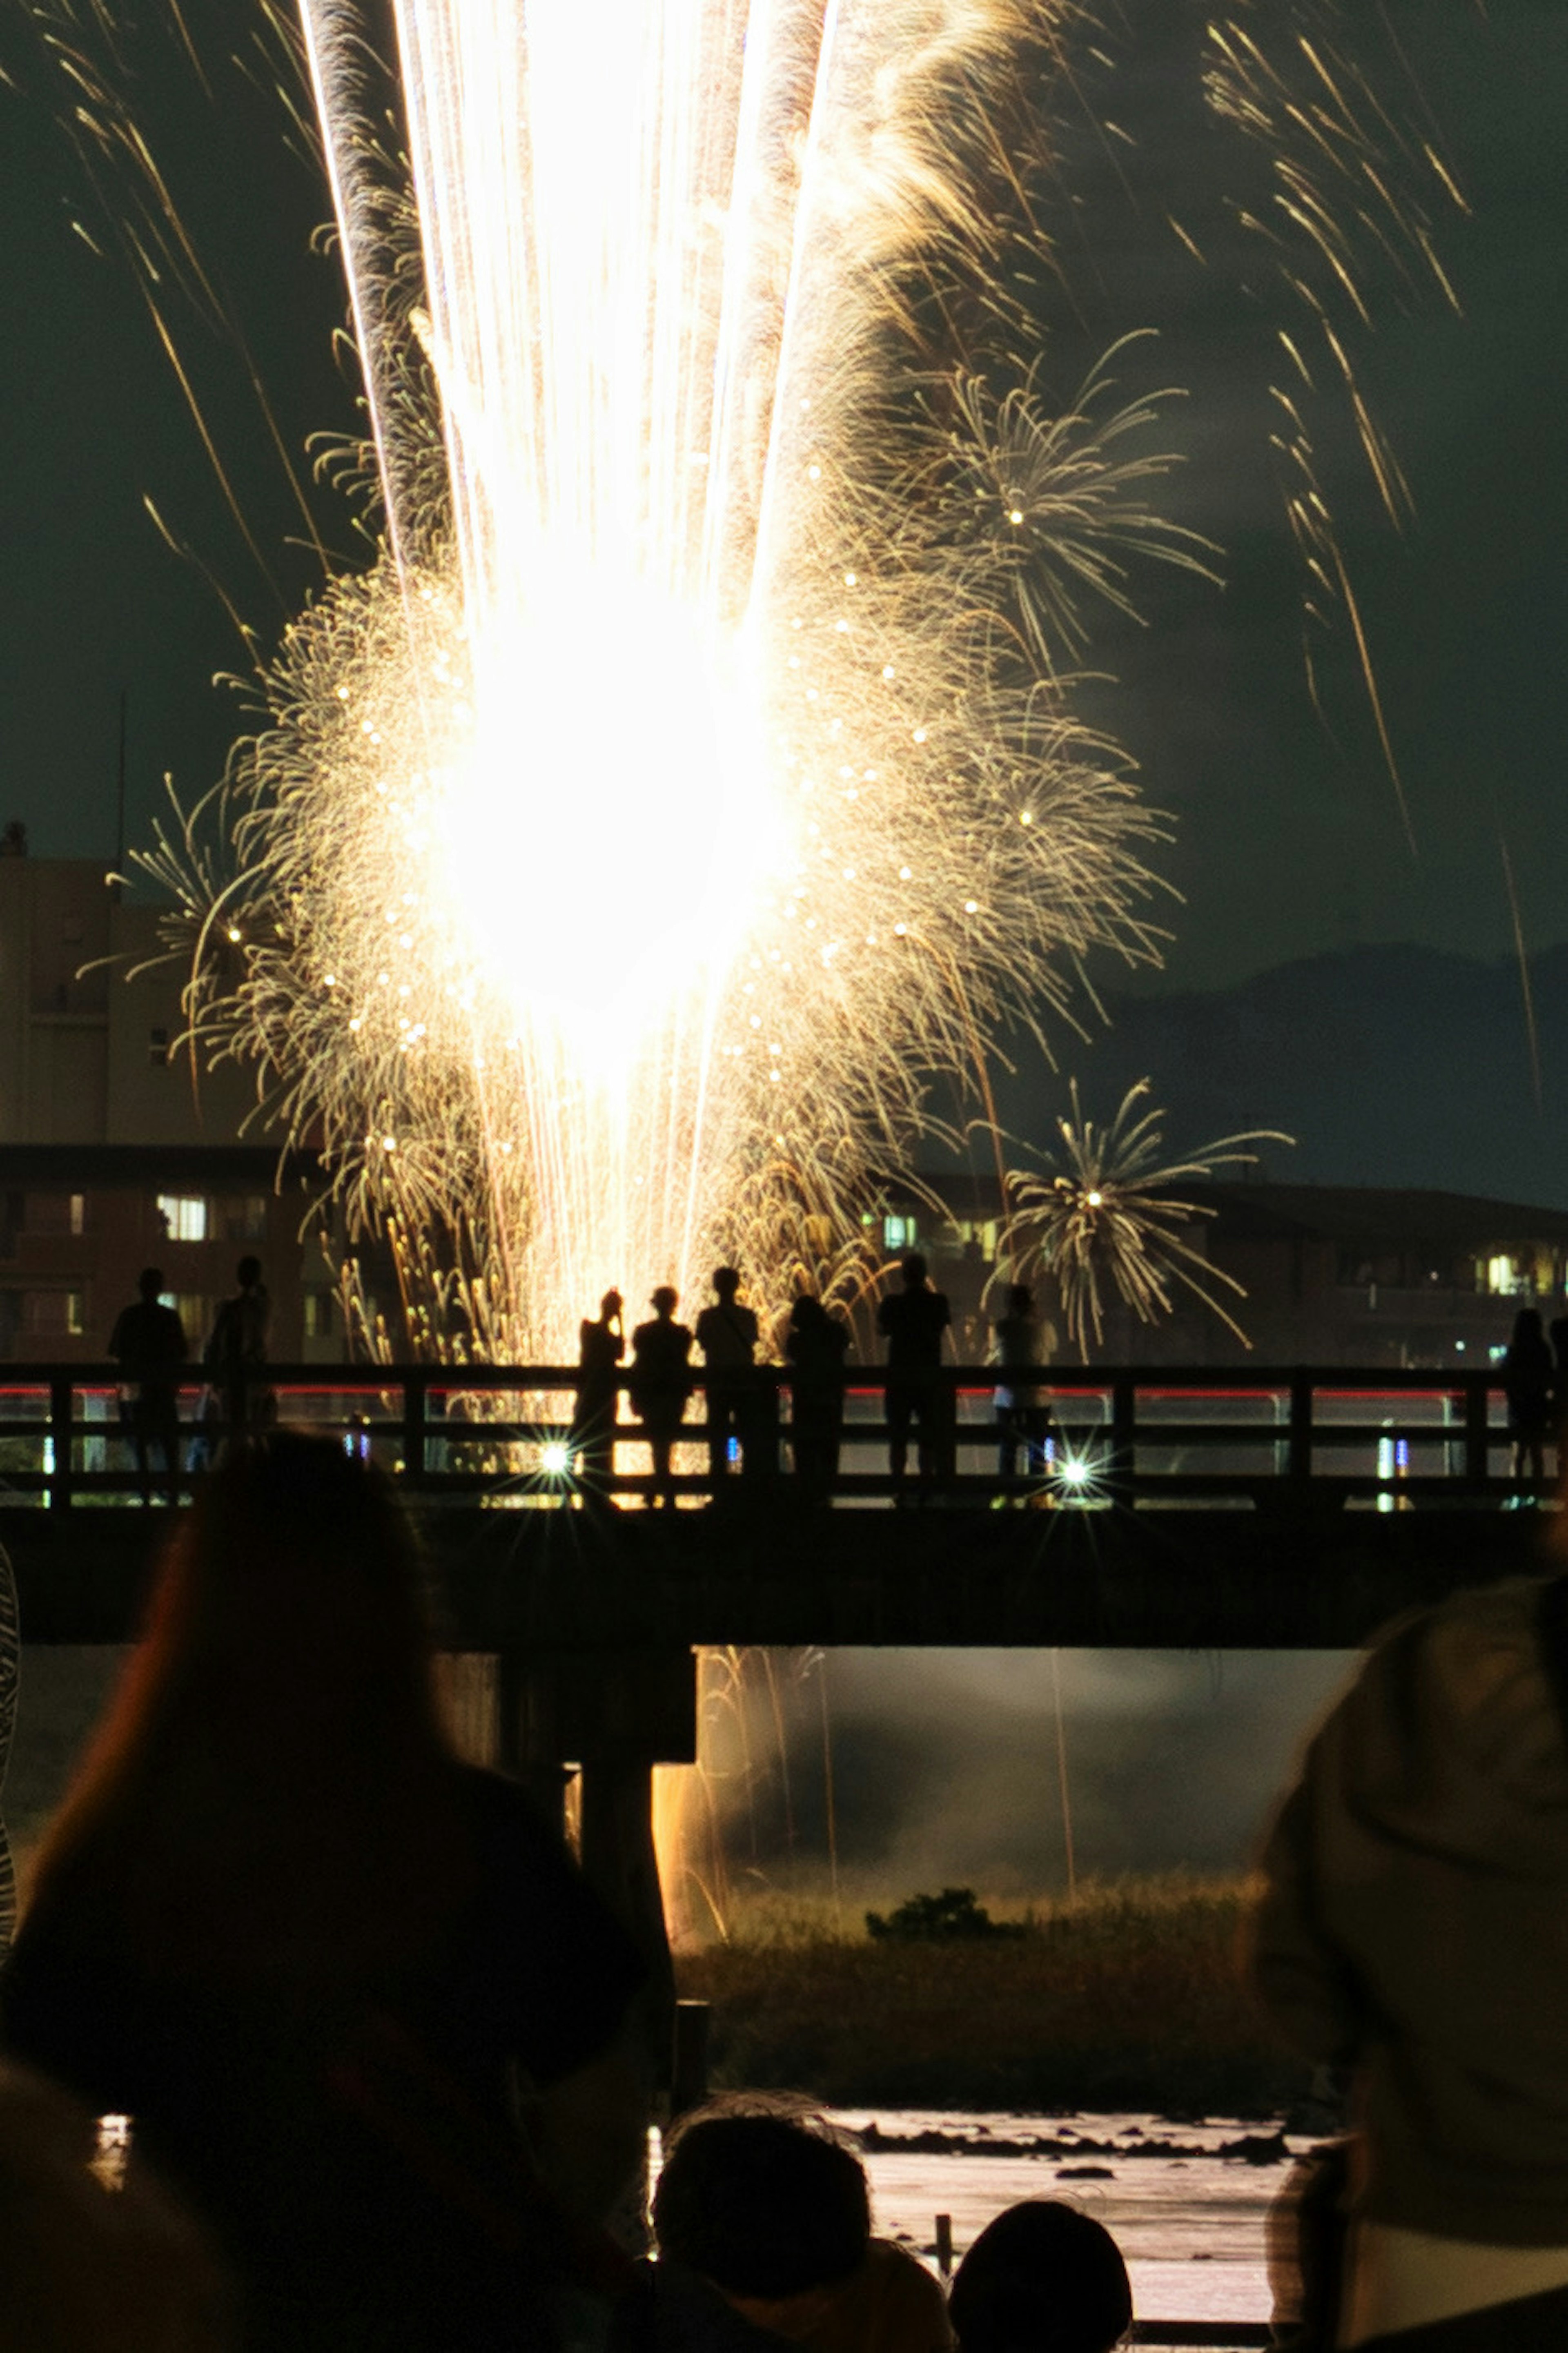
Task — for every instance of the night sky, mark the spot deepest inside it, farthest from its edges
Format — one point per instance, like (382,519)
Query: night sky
(1288,839)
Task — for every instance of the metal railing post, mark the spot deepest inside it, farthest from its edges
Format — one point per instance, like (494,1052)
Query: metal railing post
(760,1441)
(416,1395)
(62,1397)
(1477,1444)
(1299,1445)
(1123,1438)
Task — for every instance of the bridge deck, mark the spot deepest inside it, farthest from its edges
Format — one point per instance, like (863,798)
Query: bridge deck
(1130,1578)
(1294,1507)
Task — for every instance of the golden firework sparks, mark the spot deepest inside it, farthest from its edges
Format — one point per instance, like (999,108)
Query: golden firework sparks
(1099,1220)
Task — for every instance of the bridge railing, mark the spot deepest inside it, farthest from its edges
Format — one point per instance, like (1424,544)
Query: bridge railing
(1143,1437)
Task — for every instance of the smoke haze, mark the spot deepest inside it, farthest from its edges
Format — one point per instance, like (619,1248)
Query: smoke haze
(945,1763)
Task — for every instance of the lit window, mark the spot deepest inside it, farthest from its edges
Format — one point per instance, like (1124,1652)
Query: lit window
(55,1315)
(318,1308)
(79,1213)
(898,1233)
(185,1217)
(1502,1274)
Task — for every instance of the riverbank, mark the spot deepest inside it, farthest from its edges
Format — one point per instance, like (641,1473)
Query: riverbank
(1130,1996)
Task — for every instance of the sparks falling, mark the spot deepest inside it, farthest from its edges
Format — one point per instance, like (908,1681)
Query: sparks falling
(694,775)
(695,772)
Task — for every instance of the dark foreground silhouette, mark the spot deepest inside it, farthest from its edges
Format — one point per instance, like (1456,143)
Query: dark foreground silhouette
(316,1957)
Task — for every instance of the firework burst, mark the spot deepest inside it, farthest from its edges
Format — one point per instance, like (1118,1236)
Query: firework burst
(695,772)
(1099,1221)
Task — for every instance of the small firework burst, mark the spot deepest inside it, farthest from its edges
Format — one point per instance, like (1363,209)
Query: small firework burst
(1099,1221)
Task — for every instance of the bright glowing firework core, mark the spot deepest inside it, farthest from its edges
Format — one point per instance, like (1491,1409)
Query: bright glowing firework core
(601,827)
(606,819)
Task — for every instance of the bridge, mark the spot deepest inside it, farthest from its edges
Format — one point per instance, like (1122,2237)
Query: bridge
(1283,1507)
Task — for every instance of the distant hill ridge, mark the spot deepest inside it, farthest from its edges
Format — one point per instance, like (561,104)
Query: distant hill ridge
(1391,1066)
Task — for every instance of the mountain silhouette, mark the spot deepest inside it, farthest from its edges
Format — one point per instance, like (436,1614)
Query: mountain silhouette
(1397,1066)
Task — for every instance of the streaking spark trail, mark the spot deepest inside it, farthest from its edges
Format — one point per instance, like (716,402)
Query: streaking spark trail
(695,777)
(694,772)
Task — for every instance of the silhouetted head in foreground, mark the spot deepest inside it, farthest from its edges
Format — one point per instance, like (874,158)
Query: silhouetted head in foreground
(763,2204)
(1042,2278)
(150,1282)
(248,1273)
(726,1282)
(665,1300)
(272,1769)
(913,1270)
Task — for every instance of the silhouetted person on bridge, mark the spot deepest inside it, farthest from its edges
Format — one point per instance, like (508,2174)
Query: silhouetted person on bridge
(912,1321)
(1558,1335)
(816,1345)
(235,1354)
(1023,1413)
(601,1347)
(727,1335)
(363,2008)
(1413,1930)
(1528,1371)
(661,1383)
(149,1346)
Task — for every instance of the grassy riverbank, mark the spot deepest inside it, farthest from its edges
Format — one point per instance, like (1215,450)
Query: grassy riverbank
(1129,1997)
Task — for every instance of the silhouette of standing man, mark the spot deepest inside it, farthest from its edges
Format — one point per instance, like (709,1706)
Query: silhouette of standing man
(149,1344)
(912,1322)
(1022,1414)
(816,1345)
(601,1346)
(727,1335)
(660,1384)
(1527,1370)
(237,1351)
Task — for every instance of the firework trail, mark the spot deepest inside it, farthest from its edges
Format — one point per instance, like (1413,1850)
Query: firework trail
(694,773)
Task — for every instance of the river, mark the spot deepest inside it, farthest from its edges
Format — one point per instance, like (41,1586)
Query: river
(1188,2217)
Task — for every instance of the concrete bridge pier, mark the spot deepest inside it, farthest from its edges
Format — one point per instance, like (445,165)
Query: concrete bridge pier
(607,1717)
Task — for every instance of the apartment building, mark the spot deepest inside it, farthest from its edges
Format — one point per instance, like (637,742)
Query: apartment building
(117,1151)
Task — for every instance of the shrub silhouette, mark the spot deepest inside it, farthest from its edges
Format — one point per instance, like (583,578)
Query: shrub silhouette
(939,1919)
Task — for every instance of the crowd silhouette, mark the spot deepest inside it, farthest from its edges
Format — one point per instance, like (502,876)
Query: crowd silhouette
(722,1355)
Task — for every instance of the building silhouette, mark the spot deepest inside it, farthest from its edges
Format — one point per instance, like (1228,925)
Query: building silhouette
(116,1152)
